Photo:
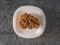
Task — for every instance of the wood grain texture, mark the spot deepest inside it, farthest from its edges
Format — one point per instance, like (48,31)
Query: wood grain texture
(51,36)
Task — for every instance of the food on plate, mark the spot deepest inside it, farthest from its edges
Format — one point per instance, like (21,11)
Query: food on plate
(26,20)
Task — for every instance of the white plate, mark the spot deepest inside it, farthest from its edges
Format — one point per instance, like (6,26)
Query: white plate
(35,11)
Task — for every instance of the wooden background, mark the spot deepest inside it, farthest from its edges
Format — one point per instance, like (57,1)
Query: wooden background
(51,36)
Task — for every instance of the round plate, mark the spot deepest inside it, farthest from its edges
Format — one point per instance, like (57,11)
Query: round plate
(30,33)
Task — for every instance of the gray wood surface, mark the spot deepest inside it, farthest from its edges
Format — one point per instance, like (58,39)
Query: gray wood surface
(51,36)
